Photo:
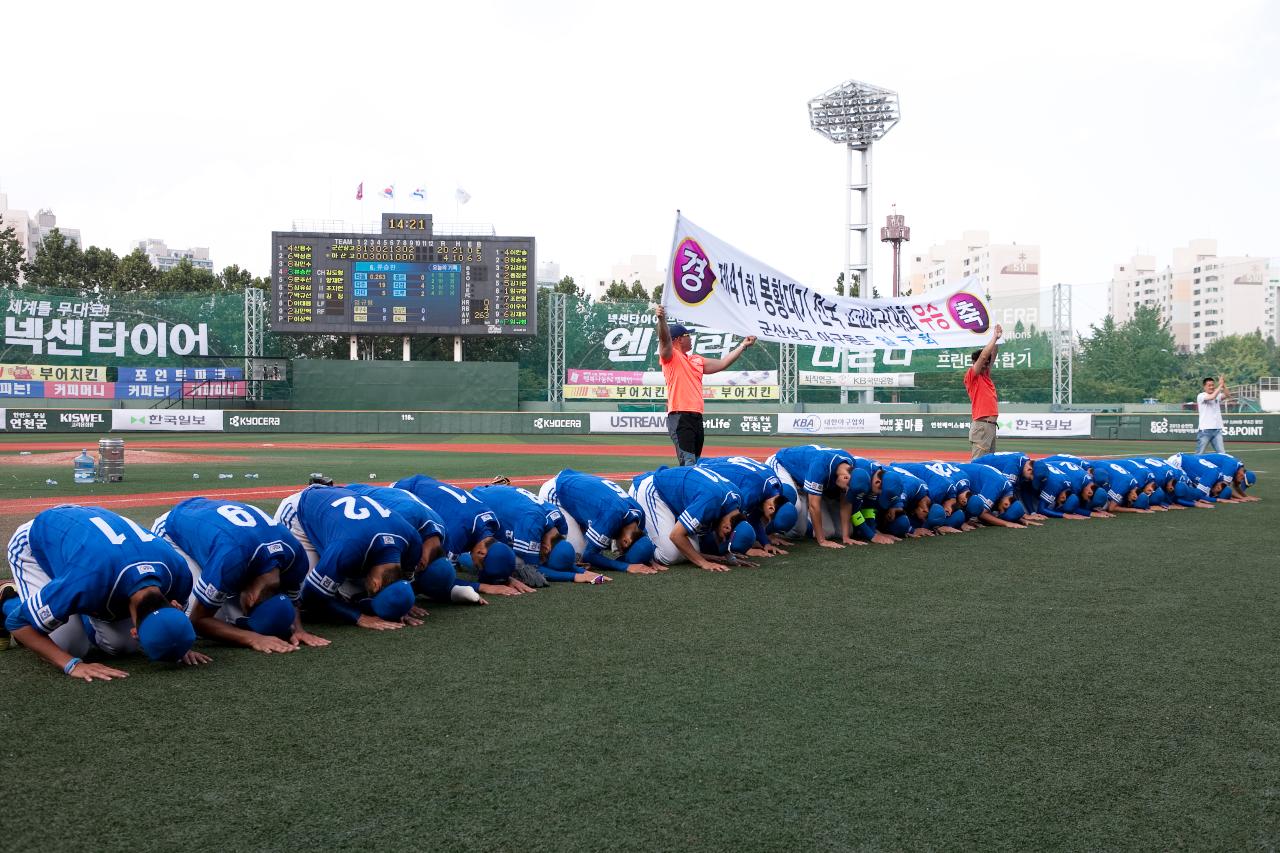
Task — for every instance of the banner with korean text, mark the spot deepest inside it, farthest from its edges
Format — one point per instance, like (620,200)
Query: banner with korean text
(171,420)
(718,286)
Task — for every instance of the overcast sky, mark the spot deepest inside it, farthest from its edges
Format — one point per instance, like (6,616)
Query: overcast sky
(1093,129)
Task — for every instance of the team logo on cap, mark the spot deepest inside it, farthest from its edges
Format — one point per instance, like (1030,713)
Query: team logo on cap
(691,273)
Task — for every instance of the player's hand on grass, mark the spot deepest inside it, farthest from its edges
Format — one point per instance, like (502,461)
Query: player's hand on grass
(271,645)
(375,624)
(418,612)
(945,530)
(303,638)
(592,578)
(96,672)
(708,566)
(830,543)
(641,569)
(520,586)
(883,539)
(194,658)
(498,589)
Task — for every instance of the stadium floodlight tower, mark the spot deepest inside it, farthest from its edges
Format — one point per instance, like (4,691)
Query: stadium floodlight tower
(856,115)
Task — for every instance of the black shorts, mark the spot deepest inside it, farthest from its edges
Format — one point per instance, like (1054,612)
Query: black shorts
(685,430)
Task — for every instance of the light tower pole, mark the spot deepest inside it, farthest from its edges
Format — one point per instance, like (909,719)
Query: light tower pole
(897,232)
(855,114)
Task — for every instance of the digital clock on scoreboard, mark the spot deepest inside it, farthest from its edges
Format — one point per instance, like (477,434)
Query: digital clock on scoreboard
(404,281)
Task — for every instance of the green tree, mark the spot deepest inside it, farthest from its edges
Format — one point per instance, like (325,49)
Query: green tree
(58,263)
(183,277)
(234,279)
(617,291)
(1239,358)
(568,286)
(134,273)
(100,266)
(656,296)
(1127,362)
(638,292)
(853,291)
(12,257)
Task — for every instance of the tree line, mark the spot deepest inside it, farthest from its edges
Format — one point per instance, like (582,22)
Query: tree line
(1113,363)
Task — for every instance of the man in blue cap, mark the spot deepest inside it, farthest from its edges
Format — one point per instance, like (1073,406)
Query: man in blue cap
(1020,471)
(472,535)
(948,494)
(435,576)
(359,553)
(86,578)
(536,532)
(247,574)
(903,505)
(991,497)
(820,475)
(681,504)
(601,518)
(763,502)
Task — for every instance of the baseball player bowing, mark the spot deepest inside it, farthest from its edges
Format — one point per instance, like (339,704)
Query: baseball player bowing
(85,578)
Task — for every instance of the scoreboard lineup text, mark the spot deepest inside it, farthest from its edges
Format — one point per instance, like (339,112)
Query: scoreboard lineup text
(403,281)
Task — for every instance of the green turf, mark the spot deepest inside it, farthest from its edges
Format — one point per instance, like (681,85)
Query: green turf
(1099,684)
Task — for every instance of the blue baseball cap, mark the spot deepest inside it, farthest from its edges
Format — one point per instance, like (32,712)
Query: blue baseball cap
(641,550)
(273,617)
(1015,511)
(1225,494)
(166,634)
(1143,502)
(789,492)
(1250,478)
(859,482)
(677,330)
(784,519)
(498,564)
(393,601)
(744,537)
(937,516)
(562,556)
(1071,504)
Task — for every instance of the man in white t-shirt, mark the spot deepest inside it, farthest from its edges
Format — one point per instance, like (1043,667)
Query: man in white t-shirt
(1209,402)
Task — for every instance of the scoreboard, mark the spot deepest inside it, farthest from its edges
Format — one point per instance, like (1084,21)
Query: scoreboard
(404,281)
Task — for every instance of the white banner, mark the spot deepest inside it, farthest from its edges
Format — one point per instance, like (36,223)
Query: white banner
(829,423)
(628,422)
(857,380)
(580,376)
(1041,426)
(169,420)
(715,285)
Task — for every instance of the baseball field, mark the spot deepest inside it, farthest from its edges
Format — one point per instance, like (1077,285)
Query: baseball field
(1094,684)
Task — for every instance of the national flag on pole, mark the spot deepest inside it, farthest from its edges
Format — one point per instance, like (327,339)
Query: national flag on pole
(420,192)
(389,191)
(462,196)
(360,191)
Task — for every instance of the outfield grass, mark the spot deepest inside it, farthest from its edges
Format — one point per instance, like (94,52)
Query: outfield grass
(1096,684)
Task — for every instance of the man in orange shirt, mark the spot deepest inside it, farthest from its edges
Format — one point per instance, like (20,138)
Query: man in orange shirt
(683,372)
(982,398)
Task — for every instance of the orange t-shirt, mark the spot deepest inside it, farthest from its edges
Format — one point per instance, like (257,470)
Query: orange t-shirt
(982,393)
(684,381)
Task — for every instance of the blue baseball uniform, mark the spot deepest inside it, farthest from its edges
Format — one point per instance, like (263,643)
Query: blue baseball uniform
(987,487)
(945,482)
(76,567)
(811,467)
(755,483)
(1011,464)
(435,581)
(1173,485)
(695,498)
(1117,481)
(1079,474)
(596,510)
(231,543)
(1054,483)
(902,490)
(1227,464)
(468,521)
(523,521)
(351,534)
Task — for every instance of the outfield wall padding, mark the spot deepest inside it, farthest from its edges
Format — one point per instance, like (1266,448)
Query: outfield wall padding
(406,385)
(1172,428)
